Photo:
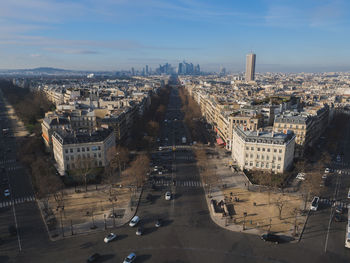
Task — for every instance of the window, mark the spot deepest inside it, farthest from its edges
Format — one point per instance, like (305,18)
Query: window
(273,166)
(247,148)
(73,166)
(100,163)
(95,155)
(267,157)
(262,165)
(99,148)
(280,151)
(274,150)
(246,155)
(72,157)
(68,167)
(252,148)
(250,164)
(262,157)
(66,150)
(67,158)
(83,149)
(268,150)
(291,126)
(99,155)
(257,165)
(267,165)
(257,156)
(263,149)
(78,150)
(258,149)
(71,150)
(278,167)
(251,155)
(88,155)
(279,158)
(87,149)
(246,163)
(274,158)
(93,148)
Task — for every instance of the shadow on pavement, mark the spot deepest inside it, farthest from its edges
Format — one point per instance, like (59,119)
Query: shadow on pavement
(106,257)
(142,258)
(85,245)
(121,237)
(167,222)
(4,259)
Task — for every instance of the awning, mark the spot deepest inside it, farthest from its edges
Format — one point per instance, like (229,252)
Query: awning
(219,141)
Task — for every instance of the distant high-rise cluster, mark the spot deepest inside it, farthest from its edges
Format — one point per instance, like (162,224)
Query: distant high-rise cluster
(250,67)
(188,69)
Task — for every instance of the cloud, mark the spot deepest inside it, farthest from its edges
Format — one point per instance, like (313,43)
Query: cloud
(72,51)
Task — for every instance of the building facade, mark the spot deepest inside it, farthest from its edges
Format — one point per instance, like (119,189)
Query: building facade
(263,150)
(72,151)
(250,67)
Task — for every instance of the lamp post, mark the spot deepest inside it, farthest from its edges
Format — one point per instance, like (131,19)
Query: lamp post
(244,216)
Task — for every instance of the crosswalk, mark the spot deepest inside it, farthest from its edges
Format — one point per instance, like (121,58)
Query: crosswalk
(13,168)
(189,158)
(330,202)
(7,161)
(178,183)
(16,201)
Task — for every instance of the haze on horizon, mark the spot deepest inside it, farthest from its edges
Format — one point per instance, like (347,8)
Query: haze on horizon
(287,36)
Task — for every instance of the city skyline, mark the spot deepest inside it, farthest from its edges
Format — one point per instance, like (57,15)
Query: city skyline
(292,36)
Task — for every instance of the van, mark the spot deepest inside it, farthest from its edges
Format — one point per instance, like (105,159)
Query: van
(314,204)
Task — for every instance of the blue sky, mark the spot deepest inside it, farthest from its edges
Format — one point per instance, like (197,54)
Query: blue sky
(286,35)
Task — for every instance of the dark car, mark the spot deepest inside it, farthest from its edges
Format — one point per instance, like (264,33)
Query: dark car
(93,258)
(271,238)
(339,209)
(338,218)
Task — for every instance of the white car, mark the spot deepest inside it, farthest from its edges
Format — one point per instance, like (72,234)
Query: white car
(327,171)
(160,148)
(314,204)
(110,237)
(130,258)
(134,221)
(301,176)
(7,193)
(324,176)
(167,196)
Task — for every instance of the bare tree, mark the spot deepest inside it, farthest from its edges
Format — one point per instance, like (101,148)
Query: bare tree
(280,204)
(83,167)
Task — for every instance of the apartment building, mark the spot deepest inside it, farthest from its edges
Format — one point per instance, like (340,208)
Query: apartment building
(261,150)
(307,126)
(52,122)
(73,150)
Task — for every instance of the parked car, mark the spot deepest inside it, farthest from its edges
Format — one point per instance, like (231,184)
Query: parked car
(314,204)
(271,238)
(338,158)
(93,258)
(338,218)
(110,237)
(158,223)
(167,196)
(139,231)
(327,171)
(339,209)
(134,221)
(130,258)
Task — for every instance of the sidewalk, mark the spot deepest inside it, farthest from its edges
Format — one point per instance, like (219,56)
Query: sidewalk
(59,226)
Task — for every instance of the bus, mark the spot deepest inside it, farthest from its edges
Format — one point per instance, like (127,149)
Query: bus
(347,233)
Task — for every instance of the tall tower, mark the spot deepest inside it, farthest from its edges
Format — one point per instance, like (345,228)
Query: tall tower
(250,67)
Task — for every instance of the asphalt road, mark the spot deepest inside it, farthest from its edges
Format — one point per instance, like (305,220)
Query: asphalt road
(187,235)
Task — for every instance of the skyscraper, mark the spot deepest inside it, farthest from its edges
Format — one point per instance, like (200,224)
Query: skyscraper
(250,67)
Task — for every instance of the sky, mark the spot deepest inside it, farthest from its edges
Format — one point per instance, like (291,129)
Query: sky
(286,35)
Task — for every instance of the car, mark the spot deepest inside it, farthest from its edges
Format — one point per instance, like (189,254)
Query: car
(327,171)
(324,176)
(338,218)
(160,148)
(134,221)
(301,176)
(271,238)
(158,223)
(110,237)
(339,209)
(314,203)
(338,158)
(139,231)
(130,258)
(167,196)
(93,258)
(7,193)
